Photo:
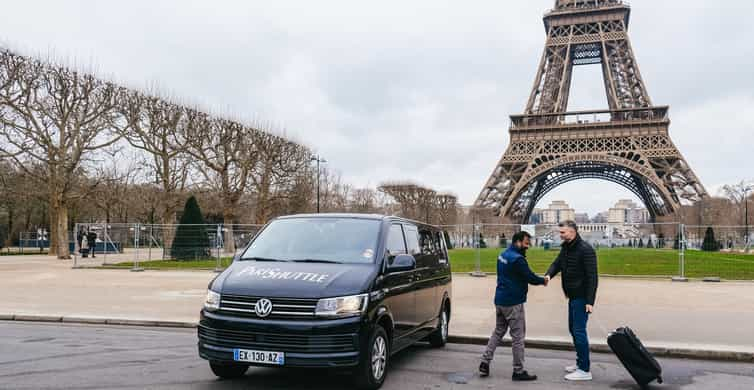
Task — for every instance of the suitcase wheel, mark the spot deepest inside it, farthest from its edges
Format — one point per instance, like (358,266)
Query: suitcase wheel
(659,380)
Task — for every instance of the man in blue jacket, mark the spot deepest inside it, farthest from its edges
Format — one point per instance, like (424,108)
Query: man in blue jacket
(513,279)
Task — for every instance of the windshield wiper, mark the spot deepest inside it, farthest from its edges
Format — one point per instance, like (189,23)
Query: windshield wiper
(262,259)
(317,261)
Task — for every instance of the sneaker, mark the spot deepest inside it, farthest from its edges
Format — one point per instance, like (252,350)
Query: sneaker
(523,376)
(484,369)
(579,375)
(571,369)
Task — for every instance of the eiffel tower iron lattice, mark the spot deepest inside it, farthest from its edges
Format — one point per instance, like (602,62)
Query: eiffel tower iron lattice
(627,144)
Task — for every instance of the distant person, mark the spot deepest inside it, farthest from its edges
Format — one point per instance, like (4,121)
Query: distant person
(513,279)
(577,262)
(84,248)
(79,237)
(40,240)
(92,239)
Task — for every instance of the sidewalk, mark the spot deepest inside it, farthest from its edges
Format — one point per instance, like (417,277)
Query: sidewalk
(708,316)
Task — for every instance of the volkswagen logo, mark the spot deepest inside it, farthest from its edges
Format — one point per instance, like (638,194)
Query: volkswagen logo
(263,307)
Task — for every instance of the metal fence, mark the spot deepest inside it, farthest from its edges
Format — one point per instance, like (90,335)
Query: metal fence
(135,244)
(669,250)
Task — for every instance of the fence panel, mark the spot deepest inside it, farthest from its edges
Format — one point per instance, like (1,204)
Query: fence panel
(623,249)
(660,250)
(140,244)
(719,252)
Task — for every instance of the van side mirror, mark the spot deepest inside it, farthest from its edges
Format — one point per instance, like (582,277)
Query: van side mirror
(402,263)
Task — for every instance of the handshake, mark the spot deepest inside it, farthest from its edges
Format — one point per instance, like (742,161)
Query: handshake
(547,280)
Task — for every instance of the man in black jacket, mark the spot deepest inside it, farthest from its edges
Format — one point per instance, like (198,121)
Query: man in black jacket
(577,262)
(91,238)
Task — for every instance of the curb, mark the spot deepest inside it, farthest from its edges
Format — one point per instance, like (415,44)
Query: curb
(96,321)
(679,353)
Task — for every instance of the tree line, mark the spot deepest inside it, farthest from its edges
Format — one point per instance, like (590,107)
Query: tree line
(70,140)
(77,148)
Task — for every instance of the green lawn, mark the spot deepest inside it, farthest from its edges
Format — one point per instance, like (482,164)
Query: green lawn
(208,264)
(626,261)
(618,261)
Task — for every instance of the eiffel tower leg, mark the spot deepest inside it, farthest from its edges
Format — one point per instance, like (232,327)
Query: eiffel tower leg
(624,75)
(553,80)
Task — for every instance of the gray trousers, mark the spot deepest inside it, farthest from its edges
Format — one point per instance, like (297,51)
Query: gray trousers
(511,318)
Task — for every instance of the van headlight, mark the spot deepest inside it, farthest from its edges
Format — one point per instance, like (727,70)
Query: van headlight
(342,306)
(212,303)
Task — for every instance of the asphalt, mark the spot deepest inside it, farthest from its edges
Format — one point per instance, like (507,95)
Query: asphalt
(67,356)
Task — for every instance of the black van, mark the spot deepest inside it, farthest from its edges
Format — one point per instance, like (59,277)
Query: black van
(328,290)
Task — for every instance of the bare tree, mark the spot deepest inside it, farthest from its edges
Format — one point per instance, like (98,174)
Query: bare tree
(112,187)
(153,125)
(53,117)
(446,209)
(224,152)
(740,195)
(280,162)
(365,200)
(417,202)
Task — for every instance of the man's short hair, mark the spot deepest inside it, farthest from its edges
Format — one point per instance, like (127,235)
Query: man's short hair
(520,236)
(571,224)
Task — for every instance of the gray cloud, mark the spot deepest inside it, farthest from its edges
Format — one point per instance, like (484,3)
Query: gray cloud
(408,90)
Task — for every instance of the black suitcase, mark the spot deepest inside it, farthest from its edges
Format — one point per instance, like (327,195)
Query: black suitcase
(638,361)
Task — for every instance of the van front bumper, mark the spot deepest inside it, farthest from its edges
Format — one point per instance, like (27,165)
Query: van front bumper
(310,343)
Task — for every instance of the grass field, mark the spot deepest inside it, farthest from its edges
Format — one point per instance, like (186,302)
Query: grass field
(617,261)
(209,264)
(625,261)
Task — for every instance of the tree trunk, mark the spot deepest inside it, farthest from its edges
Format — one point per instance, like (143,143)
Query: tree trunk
(9,239)
(263,200)
(168,229)
(229,241)
(61,221)
(53,212)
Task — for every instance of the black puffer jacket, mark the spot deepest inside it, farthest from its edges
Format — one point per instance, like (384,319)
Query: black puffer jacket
(578,263)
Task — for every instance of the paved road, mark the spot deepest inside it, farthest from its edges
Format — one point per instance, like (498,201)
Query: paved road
(60,356)
(654,308)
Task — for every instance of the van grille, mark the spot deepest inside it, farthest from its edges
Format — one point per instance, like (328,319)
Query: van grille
(278,342)
(282,308)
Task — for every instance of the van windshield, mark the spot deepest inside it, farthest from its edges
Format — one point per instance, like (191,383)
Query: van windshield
(338,240)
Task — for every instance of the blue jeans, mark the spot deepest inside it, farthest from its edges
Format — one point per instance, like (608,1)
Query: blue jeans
(577,319)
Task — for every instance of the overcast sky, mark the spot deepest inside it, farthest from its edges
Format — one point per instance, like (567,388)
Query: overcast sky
(415,90)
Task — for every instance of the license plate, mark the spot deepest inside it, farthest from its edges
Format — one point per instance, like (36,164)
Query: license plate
(261,357)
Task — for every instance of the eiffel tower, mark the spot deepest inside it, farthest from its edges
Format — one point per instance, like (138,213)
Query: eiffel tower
(627,144)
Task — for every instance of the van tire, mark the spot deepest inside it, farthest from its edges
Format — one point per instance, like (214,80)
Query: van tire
(378,345)
(228,371)
(439,337)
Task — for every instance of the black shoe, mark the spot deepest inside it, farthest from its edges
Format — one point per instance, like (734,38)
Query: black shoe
(523,377)
(484,369)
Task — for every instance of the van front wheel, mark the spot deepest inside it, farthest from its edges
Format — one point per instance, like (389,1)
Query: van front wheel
(228,371)
(371,372)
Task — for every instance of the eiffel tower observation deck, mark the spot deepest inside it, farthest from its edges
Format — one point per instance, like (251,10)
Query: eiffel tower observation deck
(627,143)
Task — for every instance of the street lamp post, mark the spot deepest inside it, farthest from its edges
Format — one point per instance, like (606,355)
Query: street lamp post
(746,213)
(319,161)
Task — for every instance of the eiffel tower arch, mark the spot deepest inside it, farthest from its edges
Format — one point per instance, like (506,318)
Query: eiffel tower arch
(628,143)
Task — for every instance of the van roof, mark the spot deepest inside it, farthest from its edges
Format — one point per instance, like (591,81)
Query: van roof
(377,217)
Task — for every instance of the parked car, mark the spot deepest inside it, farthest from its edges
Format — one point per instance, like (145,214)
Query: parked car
(328,290)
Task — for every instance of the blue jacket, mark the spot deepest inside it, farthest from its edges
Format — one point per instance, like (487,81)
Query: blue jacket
(513,278)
